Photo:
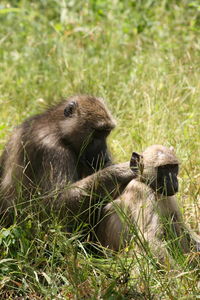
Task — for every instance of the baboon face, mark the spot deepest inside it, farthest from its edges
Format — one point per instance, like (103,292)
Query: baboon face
(158,167)
(166,182)
(96,154)
(85,124)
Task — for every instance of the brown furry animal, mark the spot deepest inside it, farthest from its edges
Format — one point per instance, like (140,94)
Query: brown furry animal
(147,210)
(56,155)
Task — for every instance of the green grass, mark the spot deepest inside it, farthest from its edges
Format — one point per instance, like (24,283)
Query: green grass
(143,58)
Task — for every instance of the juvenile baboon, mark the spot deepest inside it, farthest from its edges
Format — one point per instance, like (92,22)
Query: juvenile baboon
(61,156)
(148,207)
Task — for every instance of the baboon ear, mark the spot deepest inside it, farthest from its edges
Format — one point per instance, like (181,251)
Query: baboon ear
(70,109)
(135,162)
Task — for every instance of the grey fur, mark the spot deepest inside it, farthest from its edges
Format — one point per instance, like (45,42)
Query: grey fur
(43,158)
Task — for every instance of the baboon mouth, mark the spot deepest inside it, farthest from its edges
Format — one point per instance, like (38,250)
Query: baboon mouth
(166,192)
(96,164)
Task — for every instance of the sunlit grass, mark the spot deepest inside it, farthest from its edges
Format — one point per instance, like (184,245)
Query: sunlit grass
(143,58)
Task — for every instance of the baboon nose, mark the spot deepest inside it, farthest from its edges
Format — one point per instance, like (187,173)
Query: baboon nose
(176,187)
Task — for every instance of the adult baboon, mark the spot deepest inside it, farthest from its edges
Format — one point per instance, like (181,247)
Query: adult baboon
(148,206)
(55,156)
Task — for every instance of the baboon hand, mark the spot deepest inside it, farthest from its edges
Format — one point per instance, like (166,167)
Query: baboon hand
(122,172)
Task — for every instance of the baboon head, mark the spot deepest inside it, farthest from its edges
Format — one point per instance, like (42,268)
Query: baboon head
(158,167)
(83,123)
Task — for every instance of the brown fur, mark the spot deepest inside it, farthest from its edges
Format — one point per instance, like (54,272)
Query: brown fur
(43,158)
(153,215)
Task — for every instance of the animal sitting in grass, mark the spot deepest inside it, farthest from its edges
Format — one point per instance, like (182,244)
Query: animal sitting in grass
(147,211)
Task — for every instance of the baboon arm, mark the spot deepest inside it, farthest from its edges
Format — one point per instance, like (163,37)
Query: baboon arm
(194,239)
(187,239)
(106,180)
(82,195)
(174,225)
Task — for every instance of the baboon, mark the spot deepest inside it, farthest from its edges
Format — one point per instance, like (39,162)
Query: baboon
(147,210)
(61,156)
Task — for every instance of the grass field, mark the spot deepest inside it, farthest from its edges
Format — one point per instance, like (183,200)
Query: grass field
(143,57)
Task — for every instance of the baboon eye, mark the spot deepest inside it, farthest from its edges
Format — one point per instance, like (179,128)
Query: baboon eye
(68,111)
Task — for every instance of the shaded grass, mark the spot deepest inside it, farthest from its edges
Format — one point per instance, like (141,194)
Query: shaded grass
(143,58)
